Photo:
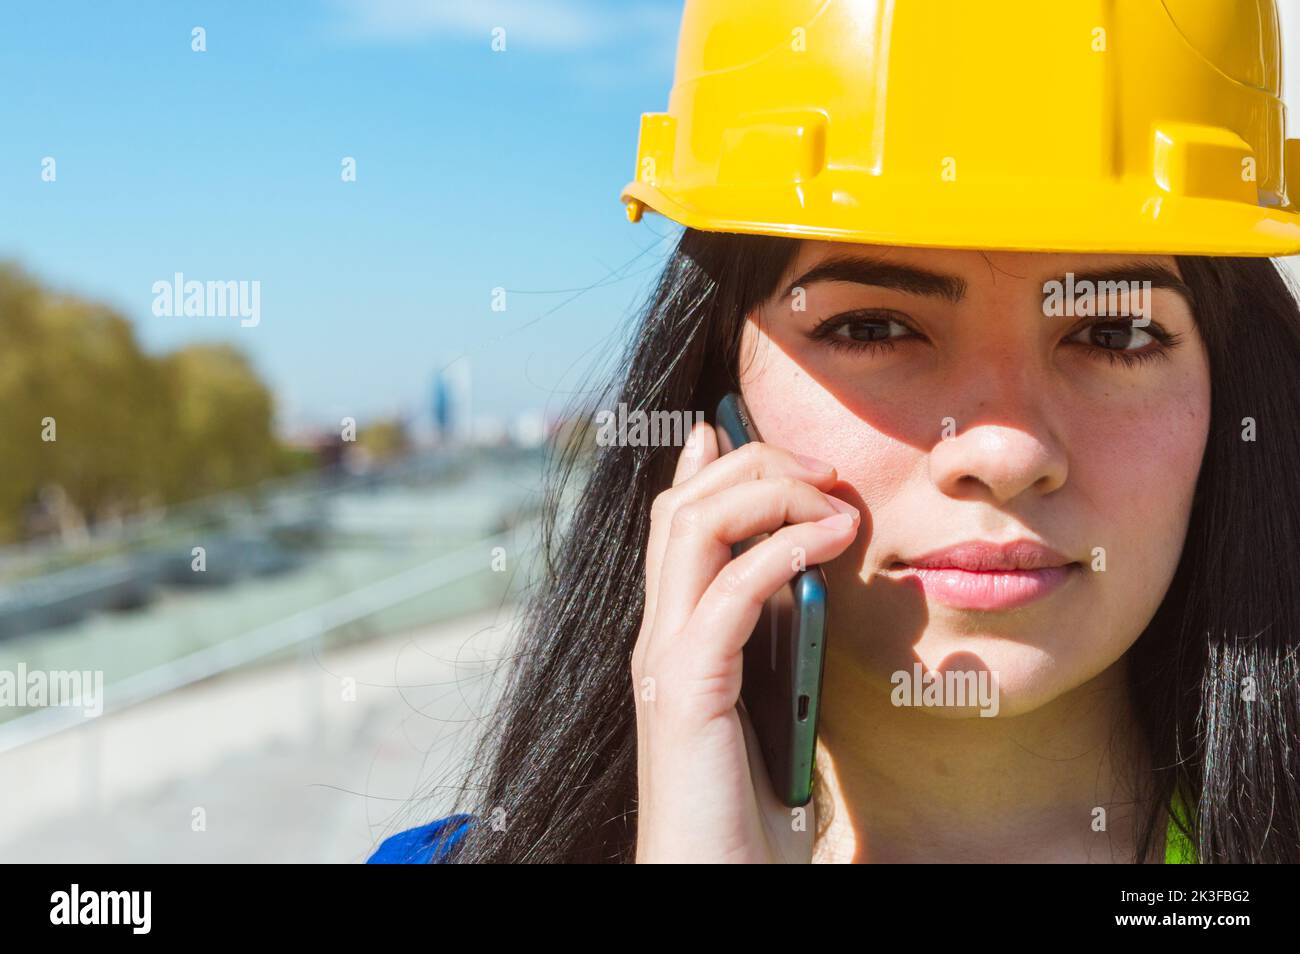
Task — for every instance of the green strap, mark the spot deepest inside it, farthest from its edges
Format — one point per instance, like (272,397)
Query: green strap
(1178,848)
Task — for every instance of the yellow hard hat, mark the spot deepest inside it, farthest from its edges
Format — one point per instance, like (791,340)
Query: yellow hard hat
(1142,126)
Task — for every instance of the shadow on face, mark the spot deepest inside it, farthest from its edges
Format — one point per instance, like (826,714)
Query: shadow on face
(1059,400)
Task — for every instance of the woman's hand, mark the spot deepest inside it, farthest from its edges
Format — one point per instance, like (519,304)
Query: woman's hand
(704,794)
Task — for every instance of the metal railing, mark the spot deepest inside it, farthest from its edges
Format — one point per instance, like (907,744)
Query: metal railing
(295,629)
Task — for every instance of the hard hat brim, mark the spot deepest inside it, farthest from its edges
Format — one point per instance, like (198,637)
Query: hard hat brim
(1116,219)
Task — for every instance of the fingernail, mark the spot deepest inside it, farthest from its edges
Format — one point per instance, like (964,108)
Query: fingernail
(840,521)
(842,506)
(812,463)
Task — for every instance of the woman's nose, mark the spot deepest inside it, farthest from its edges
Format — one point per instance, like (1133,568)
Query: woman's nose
(1000,460)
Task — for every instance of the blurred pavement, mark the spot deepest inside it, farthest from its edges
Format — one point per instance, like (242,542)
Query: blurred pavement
(277,761)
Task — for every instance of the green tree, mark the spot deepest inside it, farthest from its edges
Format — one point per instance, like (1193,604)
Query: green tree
(222,434)
(73,372)
(128,430)
(384,440)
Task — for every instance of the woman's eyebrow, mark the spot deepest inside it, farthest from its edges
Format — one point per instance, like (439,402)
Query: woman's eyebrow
(871,271)
(1159,275)
(920,281)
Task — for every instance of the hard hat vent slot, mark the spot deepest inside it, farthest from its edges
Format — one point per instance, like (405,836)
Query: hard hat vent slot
(778,148)
(1204,162)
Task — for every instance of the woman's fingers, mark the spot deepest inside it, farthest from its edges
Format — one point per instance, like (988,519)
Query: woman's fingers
(707,474)
(701,449)
(702,533)
(731,606)
(750,462)
(701,794)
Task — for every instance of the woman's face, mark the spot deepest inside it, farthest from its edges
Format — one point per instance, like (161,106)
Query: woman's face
(961,402)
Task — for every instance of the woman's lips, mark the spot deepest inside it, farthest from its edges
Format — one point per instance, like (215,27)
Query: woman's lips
(986,575)
(988,589)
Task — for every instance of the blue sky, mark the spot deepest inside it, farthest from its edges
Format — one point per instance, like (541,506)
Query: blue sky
(475,169)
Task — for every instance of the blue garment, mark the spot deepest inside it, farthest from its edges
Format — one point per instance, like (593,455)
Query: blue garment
(429,844)
(433,843)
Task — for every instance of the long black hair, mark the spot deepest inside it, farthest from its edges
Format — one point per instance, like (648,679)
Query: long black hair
(1213,676)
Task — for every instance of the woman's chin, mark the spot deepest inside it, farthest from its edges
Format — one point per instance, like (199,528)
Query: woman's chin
(985,678)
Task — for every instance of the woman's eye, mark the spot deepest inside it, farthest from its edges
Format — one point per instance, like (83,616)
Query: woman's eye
(1119,341)
(1115,336)
(859,331)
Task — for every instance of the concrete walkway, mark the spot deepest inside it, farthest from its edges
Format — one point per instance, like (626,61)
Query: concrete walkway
(309,761)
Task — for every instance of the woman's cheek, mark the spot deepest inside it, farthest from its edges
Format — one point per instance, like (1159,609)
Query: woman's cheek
(795,411)
(1138,480)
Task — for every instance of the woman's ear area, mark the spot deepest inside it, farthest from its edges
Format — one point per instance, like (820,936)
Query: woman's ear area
(751,335)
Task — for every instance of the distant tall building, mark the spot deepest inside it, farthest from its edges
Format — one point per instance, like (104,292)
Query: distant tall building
(442,406)
(451,402)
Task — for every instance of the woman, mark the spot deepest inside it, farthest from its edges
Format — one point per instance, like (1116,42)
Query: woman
(1098,504)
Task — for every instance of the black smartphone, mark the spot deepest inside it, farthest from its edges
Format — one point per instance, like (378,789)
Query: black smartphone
(782,682)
